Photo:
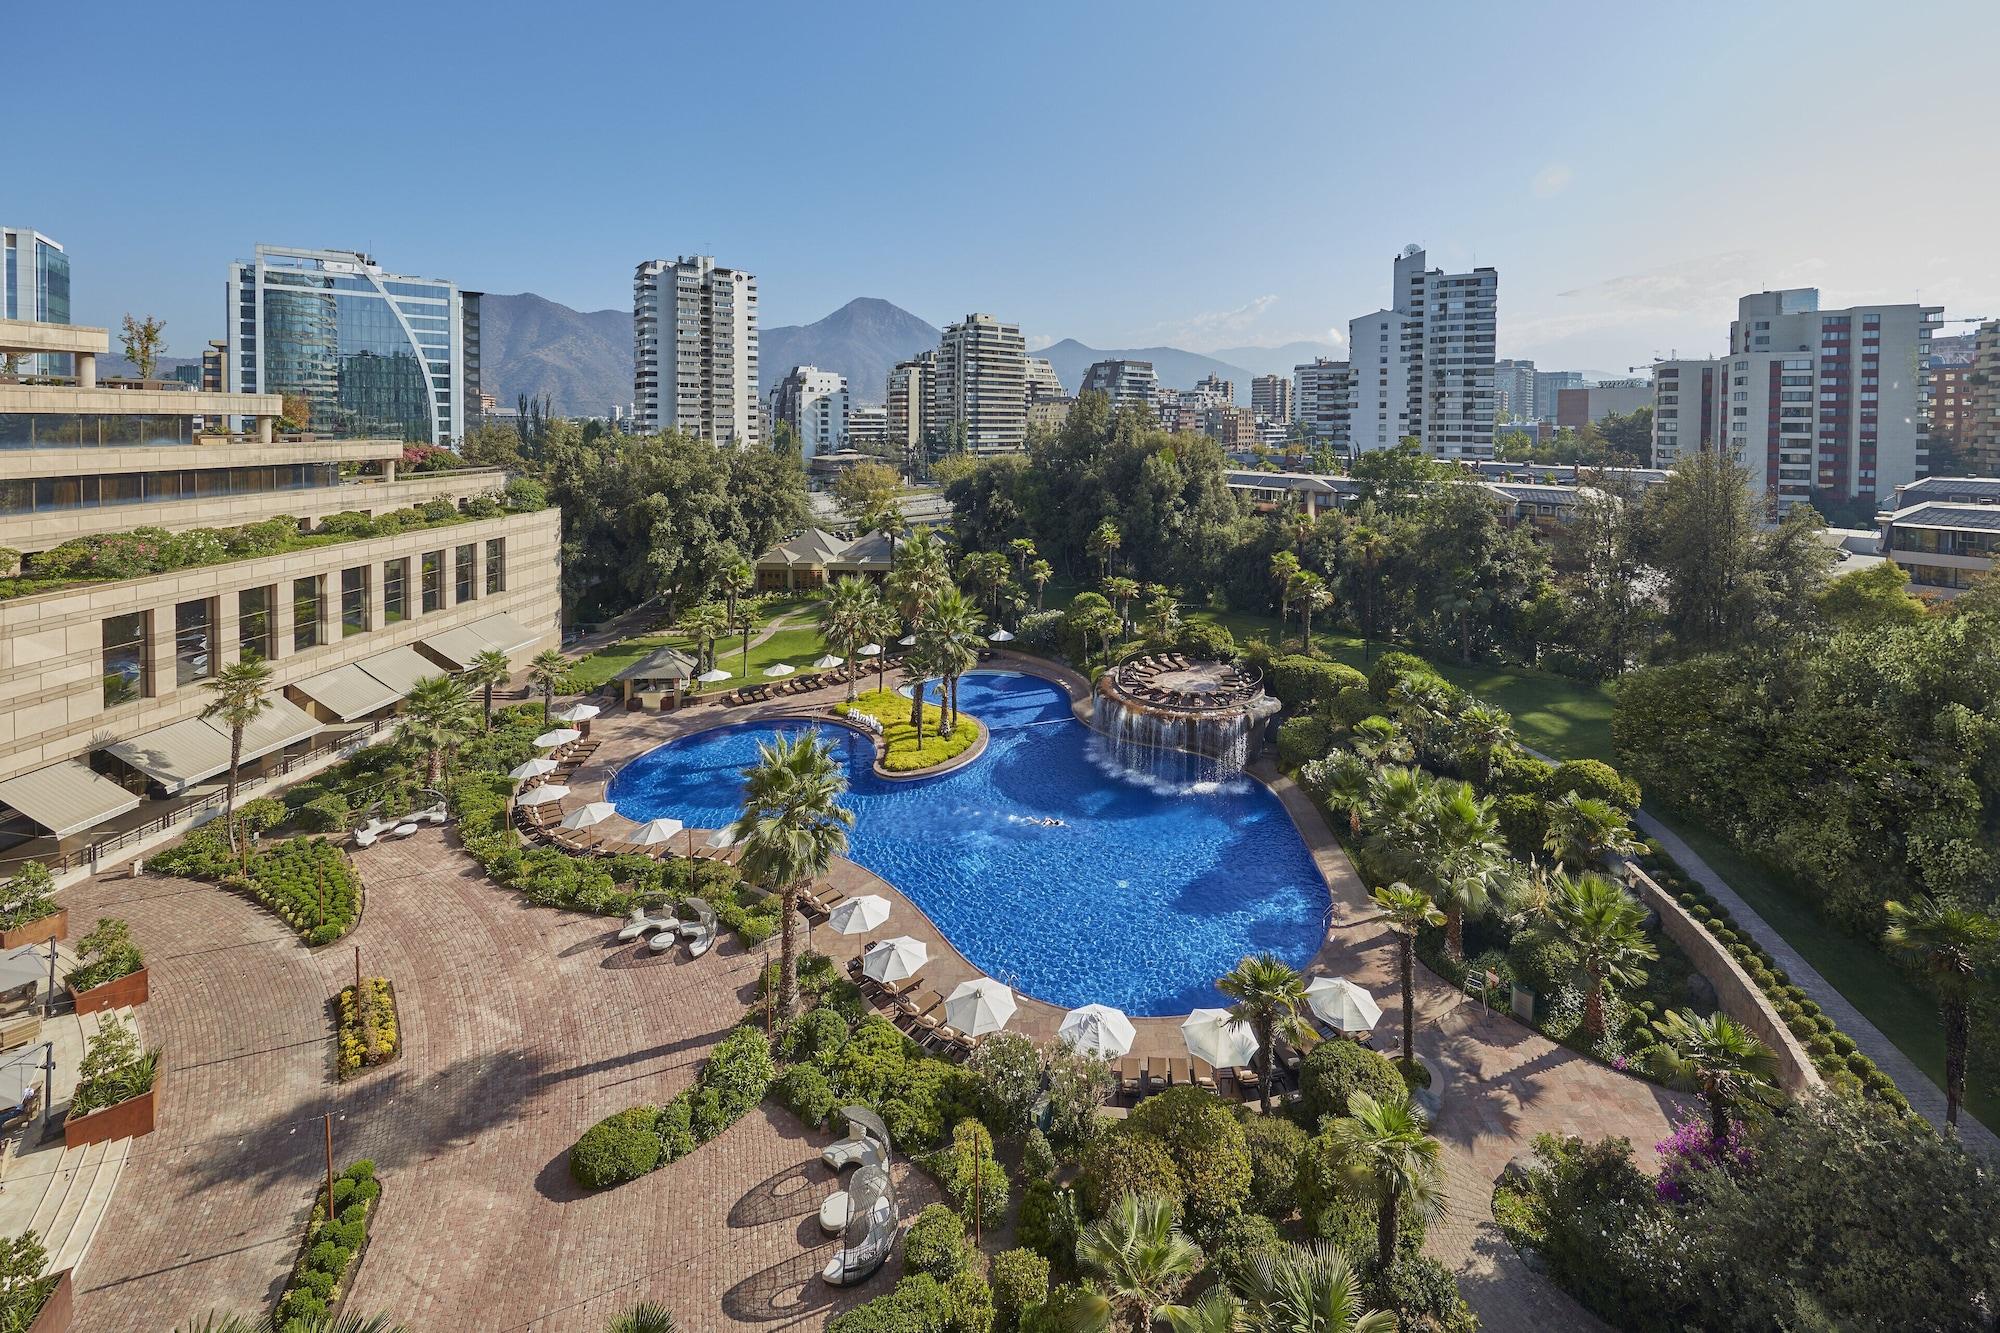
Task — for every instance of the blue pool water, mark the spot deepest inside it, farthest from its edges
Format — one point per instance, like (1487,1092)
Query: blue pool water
(1148,889)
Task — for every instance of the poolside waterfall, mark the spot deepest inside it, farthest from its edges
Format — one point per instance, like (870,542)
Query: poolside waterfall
(1167,718)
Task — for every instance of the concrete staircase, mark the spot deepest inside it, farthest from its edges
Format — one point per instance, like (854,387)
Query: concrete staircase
(79,1186)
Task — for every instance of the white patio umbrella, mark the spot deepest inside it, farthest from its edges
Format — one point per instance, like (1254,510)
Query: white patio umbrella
(1099,1030)
(908,640)
(590,816)
(869,650)
(1000,636)
(858,916)
(712,675)
(1343,1004)
(779,671)
(1213,1037)
(827,660)
(978,1007)
(721,838)
(656,831)
(542,795)
(534,768)
(578,712)
(548,740)
(895,960)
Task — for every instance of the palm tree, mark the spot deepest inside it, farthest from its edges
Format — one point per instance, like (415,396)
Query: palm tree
(1583,831)
(1023,550)
(845,611)
(1121,591)
(1406,910)
(1138,1256)
(645,1317)
(733,580)
(1380,740)
(489,671)
(435,715)
(1039,573)
(1269,996)
(1382,1145)
(1468,857)
(741,621)
(1484,731)
(319,1323)
(949,635)
(1308,1289)
(1284,568)
(706,623)
(1606,926)
(1955,946)
(886,519)
(547,673)
(238,694)
(791,828)
(921,572)
(1309,593)
(1716,1057)
(986,572)
(1345,781)
(1163,615)
(1216,1312)
(1103,543)
(881,627)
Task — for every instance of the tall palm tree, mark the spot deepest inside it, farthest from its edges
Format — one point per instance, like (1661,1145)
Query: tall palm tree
(1583,831)
(1308,1289)
(1039,573)
(1483,731)
(489,671)
(1309,593)
(921,572)
(1284,568)
(1022,549)
(733,580)
(705,624)
(1269,996)
(1406,910)
(1716,1057)
(1137,1254)
(645,1317)
(1382,1145)
(882,626)
(741,621)
(1163,615)
(1345,781)
(886,520)
(1467,857)
(1121,591)
(1102,545)
(237,695)
(546,673)
(1955,946)
(845,611)
(986,572)
(1606,927)
(435,716)
(791,828)
(950,635)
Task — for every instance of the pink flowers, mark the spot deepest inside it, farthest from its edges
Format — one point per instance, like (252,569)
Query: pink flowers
(1692,1148)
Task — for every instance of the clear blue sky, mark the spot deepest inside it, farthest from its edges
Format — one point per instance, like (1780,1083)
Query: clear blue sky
(1126,174)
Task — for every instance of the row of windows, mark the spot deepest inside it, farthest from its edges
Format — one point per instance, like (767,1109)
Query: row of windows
(71,430)
(55,494)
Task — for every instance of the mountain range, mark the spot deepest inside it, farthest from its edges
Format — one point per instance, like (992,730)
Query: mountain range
(583,359)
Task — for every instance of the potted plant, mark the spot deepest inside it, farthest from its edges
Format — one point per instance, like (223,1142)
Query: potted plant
(31,1299)
(112,974)
(117,1088)
(28,911)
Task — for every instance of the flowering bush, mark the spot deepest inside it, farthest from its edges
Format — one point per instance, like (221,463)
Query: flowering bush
(1691,1148)
(368,1031)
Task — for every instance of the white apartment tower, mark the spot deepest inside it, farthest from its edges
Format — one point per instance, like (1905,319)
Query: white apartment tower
(814,403)
(1380,395)
(912,385)
(1323,402)
(1125,383)
(981,384)
(694,350)
(1271,397)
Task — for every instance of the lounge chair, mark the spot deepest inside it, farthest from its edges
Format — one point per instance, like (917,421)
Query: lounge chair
(854,1150)
(642,923)
(1204,1075)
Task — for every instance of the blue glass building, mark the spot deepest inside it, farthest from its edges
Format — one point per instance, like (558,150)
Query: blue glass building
(374,354)
(34,285)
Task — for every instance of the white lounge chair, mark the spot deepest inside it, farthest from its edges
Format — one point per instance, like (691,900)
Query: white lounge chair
(855,1150)
(642,923)
(436,814)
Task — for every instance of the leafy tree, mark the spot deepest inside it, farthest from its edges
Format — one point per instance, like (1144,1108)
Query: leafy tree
(547,673)
(1606,927)
(1382,1144)
(1271,997)
(986,573)
(1955,946)
(488,672)
(921,573)
(435,716)
(142,342)
(1868,599)
(1139,1257)
(237,695)
(791,828)
(865,490)
(1407,910)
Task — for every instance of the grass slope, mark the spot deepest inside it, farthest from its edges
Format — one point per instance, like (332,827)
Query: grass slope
(903,753)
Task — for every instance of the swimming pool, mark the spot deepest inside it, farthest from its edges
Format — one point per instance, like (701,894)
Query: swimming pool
(1072,881)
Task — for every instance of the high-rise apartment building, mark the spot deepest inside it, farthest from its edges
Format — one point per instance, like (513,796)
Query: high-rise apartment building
(1450,326)
(813,402)
(1044,385)
(1271,397)
(1983,448)
(981,384)
(215,366)
(1829,403)
(1324,402)
(1514,390)
(1217,390)
(372,353)
(34,285)
(912,385)
(867,427)
(1380,416)
(1687,408)
(694,350)
(103,742)
(1125,383)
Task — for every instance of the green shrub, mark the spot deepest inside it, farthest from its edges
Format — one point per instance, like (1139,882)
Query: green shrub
(804,1091)
(1051,1221)
(675,1130)
(1333,1209)
(1274,1144)
(1007,1081)
(1524,823)
(1302,740)
(261,815)
(107,954)
(618,1148)
(1235,1248)
(1517,773)
(1020,1282)
(918,1304)
(321,1285)
(1391,669)
(1203,641)
(969,1173)
(1595,780)
(1038,1156)
(1354,704)
(1543,963)
(1303,683)
(301,1305)
(970,1303)
(739,1071)
(1335,1070)
(935,1243)
(817,1036)
(1210,1152)
(362,1169)
(1422,1294)
(328,1257)
(1123,1158)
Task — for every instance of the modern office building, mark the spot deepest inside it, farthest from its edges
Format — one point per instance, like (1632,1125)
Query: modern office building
(1577,408)
(1271,397)
(1514,390)
(102,742)
(34,285)
(981,384)
(1324,402)
(912,384)
(1943,532)
(1125,383)
(1688,408)
(373,354)
(814,403)
(1549,385)
(694,350)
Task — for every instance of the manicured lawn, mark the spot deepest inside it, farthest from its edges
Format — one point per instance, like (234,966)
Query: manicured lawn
(797,645)
(903,754)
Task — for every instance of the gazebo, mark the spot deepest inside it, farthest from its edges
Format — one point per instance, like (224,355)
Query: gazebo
(656,680)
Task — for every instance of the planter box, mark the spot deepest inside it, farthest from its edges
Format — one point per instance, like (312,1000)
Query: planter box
(55,1312)
(37,932)
(128,1119)
(127,990)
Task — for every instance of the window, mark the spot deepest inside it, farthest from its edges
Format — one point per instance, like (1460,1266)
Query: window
(395,591)
(253,622)
(125,658)
(194,648)
(307,596)
(465,571)
(433,581)
(354,601)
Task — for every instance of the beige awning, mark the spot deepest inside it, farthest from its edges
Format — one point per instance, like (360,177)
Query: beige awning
(504,632)
(67,798)
(400,669)
(347,692)
(283,723)
(179,755)
(457,647)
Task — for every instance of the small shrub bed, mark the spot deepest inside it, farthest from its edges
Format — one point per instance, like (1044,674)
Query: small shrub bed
(114,1069)
(901,751)
(368,1033)
(25,1286)
(307,882)
(640,1139)
(107,953)
(29,897)
(332,1245)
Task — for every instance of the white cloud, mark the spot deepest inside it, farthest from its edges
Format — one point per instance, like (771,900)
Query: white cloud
(1552,179)
(1212,328)
(1037,341)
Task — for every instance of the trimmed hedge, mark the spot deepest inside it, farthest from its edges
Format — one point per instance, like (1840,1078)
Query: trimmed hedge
(1333,1071)
(1301,682)
(330,1247)
(1302,740)
(293,878)
(639,1139)
(1594,780)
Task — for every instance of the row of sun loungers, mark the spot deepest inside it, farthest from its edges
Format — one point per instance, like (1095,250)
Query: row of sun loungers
(918,1011)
